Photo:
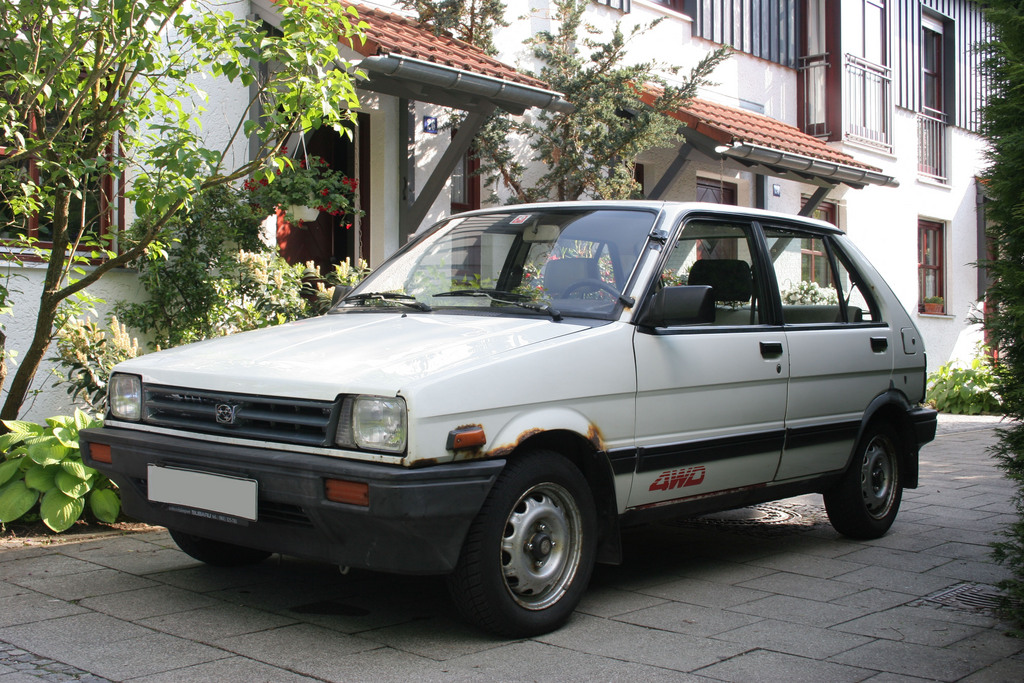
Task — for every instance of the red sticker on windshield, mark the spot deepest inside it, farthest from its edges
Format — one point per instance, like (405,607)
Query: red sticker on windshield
(520,219)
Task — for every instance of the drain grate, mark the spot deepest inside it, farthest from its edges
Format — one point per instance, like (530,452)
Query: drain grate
(968,597)
(766,519)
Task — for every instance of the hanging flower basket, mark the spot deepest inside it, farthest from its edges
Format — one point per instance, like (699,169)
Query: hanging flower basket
(303,214)
(302,189)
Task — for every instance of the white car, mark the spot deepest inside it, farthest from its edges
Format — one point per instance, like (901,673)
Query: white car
(507,394)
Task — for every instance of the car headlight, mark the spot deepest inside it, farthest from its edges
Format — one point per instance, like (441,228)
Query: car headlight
(373,423)
(124,397)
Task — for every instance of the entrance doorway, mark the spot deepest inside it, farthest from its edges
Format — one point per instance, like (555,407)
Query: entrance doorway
(328,240)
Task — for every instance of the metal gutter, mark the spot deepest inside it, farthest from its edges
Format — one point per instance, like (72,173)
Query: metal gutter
(514,97)
(799,163)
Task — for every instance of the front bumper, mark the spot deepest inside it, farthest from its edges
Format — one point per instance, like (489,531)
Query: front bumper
(925,421)
(415,523)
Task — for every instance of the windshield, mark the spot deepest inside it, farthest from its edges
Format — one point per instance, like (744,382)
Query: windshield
(555,262)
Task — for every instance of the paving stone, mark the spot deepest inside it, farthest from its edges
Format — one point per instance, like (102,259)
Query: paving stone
(912,583)
(532,661)
(227,669)
(794,639)
(49,565)
(77,631)
(910,659)
(999,672)
(972,571)
(632,643)
(439,639)
(154,653)
(908,626)
(147,602)
(801,610)
(214,623)
(808,565)
(875,599)
(100,581)
(785,583)
(301,648)
(774,666)
(902,560)
(705,593)
(29,607)
(613,602)
(695,620)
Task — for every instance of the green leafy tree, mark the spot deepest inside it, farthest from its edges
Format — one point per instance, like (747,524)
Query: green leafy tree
(591,151)
(96,89)
(473,21)
(1004,316)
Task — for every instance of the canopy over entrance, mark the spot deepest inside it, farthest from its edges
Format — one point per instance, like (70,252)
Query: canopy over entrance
(766,146)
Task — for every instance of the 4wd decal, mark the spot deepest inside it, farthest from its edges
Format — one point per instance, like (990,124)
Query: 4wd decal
(674,479)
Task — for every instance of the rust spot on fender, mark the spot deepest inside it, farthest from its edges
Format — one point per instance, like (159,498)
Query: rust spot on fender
(505,450)
(595,437)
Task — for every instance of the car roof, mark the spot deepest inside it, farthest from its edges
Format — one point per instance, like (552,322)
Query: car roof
(673,210)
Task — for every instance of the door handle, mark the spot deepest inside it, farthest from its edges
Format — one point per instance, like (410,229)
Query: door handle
(771,349)
(879,344)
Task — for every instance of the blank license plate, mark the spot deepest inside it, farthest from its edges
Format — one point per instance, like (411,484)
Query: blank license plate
(232,496)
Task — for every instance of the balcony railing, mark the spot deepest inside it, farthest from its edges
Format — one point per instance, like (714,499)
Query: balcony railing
(867,103)
(814,69)
(931,145)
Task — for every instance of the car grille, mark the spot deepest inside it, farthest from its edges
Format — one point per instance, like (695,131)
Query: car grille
(268,418)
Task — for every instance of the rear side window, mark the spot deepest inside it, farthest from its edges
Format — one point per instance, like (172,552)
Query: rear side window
(719,255)
(817,284)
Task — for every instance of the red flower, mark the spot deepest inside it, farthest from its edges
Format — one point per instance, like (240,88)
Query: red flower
(348,226)
(325,192)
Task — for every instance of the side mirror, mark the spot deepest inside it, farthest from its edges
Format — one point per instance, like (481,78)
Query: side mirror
(680,305)
(340,292)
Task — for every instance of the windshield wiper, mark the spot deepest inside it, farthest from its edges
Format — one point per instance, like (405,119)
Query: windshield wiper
(395,297)
(502,296)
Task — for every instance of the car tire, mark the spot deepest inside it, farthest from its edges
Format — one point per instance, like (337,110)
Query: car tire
(217,553)
(865,502)
(529,553)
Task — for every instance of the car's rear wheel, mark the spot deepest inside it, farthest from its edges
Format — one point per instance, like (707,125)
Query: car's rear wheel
(865,502)
(217,553)
(529,554)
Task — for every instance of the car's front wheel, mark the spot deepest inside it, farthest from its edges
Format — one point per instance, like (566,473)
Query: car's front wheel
(865,502)
(529,554)
(217,553)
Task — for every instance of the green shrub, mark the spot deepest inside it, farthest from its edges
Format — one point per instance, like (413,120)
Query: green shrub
(42,474)
(964,390)
(86,353)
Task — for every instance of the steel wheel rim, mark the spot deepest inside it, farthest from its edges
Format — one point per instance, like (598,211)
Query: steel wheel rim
(878,476)
(541,546)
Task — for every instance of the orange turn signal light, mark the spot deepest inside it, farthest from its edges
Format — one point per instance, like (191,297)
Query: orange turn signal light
(466,437)
(351,492)
(100,452)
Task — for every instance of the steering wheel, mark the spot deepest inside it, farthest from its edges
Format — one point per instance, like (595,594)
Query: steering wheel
(591,284)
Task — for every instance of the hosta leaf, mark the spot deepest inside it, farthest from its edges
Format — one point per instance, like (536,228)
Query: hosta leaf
(76,468)
(47,451)
(70,485)
(40,478)
(67,437)
(105,505)
(15,500)
(9,468)
(7,441)
(22,427)
(59,511)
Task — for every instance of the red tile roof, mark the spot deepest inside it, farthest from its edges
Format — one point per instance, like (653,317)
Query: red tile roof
(729,125)
(390,33)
